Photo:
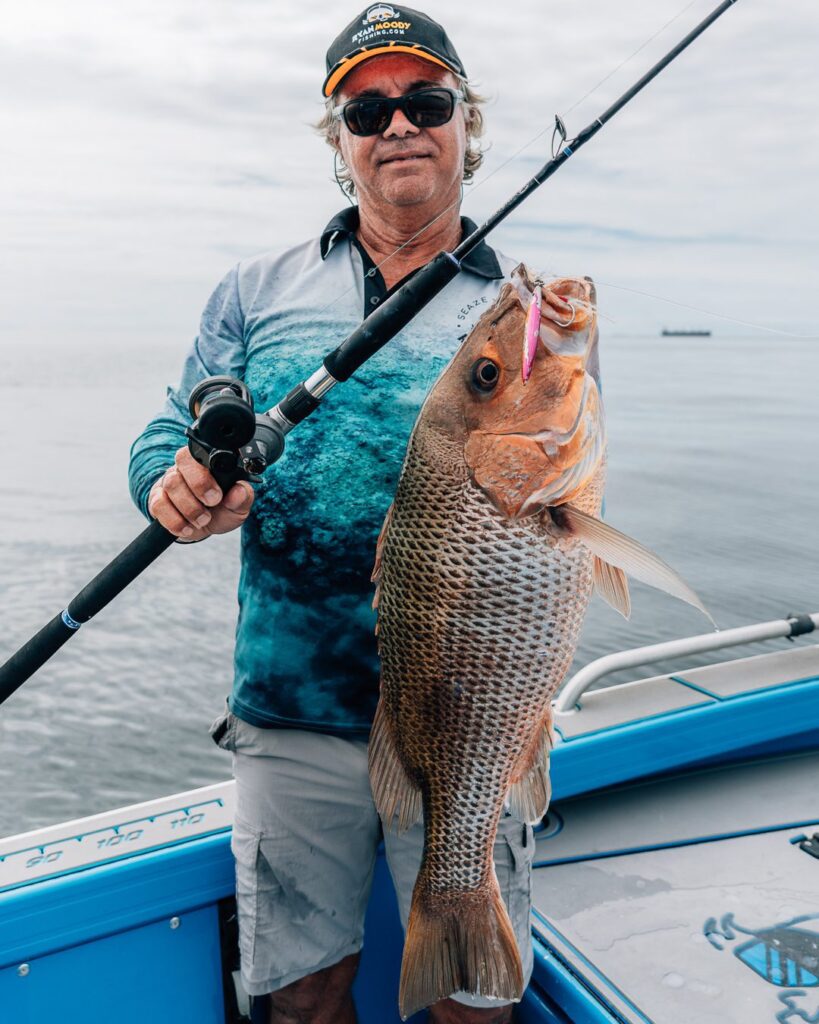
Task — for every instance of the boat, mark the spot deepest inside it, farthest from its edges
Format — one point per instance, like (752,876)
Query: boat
(666,333)
(676,875)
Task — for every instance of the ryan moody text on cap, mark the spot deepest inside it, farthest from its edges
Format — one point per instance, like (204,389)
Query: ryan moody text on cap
(385,29)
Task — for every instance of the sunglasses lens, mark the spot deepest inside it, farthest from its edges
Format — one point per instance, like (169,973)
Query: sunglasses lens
(367,117)
(430,109)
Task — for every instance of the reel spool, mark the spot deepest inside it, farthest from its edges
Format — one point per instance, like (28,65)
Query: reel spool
(227,437)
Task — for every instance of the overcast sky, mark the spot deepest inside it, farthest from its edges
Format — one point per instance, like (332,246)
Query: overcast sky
(147,146)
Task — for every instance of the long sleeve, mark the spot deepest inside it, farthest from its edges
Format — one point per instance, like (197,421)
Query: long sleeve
(219,348)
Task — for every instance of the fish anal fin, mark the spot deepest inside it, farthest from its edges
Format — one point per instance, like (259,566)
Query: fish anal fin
(394,792)
(531,788)
(611,584)
(627,554)
(469,946)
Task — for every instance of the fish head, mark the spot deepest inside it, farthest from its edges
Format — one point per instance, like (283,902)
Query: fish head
(533,442)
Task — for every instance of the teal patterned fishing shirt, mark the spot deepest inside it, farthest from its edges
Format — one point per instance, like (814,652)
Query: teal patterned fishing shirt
(305,653)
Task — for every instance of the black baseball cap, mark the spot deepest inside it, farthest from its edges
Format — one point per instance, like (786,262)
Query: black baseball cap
(381,28)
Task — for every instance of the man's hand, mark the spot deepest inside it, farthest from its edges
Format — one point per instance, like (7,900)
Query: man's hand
(189,503)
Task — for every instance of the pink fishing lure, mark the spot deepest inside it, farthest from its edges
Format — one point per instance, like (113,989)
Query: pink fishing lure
(531,333)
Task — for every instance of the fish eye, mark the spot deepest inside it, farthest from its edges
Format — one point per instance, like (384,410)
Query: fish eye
(485,375)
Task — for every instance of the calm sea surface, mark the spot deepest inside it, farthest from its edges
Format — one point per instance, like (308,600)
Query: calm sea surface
(713,463)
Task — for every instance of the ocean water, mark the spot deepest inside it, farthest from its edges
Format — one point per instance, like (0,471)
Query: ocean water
(713,463)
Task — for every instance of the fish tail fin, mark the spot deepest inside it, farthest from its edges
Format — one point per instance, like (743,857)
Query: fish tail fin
(393,790)
(462,949)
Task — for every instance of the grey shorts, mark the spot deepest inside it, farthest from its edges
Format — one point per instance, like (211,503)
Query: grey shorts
(305,839)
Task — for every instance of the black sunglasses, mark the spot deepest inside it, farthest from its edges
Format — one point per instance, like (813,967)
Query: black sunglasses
(426,108)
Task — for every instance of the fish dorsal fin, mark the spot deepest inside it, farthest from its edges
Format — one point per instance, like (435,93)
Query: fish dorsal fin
(627,554)
(612,585)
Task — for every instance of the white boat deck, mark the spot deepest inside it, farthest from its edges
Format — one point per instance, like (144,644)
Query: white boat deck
(124,832)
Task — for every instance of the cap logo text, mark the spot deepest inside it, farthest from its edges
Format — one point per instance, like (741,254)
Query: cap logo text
(377,29)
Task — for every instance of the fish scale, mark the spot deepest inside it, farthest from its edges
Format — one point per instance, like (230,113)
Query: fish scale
(484,569)
(469,595)
(479,610)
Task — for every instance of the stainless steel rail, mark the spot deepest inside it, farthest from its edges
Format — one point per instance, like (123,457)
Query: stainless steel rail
(568,699)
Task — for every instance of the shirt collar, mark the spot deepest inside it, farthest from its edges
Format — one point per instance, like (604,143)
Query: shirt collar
(481,261)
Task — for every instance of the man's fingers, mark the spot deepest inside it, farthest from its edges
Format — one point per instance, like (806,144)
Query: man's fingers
(199,480)
(234,509)
(165,512)
(186,502)
(240,497)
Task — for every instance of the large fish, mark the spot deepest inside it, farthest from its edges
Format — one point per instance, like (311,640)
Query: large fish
(484,569)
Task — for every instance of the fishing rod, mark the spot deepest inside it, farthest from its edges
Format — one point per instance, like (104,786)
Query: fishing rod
(235,443)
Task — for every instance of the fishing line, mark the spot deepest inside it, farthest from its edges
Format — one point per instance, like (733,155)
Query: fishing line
(223,408)
(638,50)
(684,305)
(707,312)
(538,135)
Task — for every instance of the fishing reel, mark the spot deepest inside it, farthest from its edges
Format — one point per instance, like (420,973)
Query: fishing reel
(227,437)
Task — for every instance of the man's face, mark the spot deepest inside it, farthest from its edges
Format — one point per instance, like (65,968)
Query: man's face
(404,165)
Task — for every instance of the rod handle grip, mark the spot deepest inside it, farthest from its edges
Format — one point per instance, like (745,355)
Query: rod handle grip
(391,317)
(106,585)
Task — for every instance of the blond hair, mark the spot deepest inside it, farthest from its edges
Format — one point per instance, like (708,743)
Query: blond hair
(328,128)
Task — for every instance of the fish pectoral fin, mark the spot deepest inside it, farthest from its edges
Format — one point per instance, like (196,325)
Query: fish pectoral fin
(531,788)
(625,553)
(379,554)
(394,792)
(611,584)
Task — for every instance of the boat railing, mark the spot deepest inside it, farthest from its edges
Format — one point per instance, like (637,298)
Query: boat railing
(568,700)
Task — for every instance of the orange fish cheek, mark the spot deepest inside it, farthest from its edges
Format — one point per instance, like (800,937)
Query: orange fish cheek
(546,403)
(504,467)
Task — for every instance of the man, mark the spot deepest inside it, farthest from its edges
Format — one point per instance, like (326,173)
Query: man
(306,682)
